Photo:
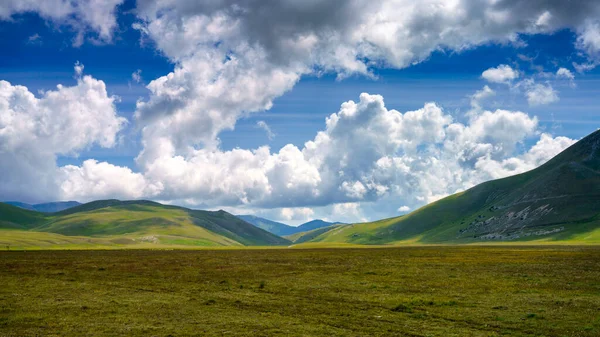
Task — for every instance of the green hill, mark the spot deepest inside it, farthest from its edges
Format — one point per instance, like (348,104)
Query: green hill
(136,222)
(307,236)
(558,201)
(14,217)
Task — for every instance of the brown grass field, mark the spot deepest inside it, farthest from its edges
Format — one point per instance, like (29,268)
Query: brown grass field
(411,291)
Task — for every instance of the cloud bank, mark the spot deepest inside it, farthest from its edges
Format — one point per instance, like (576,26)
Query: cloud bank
(233,58)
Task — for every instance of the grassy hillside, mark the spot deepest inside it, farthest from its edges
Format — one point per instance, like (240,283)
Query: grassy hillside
(311,234)
(559,200)
(12,217)
(114,222)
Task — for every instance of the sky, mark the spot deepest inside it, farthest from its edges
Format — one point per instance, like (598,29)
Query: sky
(347,111)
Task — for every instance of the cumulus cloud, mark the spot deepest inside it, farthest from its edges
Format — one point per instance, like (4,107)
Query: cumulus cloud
(233,58)
(95,180)
(546,148)
(82,15)
(366,152)
(589,38)
(263,125)
(404,209)
(501,74)
(564,73)
(300,213)
(33,131)
(481,95)
(349,212)
(539,94)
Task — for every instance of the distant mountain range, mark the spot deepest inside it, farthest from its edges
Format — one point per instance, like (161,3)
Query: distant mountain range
(49,207)
(556,202)
(282,229)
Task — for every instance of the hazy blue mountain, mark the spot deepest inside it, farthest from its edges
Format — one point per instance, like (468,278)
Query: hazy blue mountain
(314,224)
(271,226)
(282,229)
(48,207)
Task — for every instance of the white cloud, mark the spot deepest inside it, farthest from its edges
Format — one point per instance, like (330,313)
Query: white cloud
(100,180)
(403,209)
(565,73)
(583,67)
(263,125)
(228,63)
(33,131)
(78,69)
(365,153)
(349,212)
(136,76)
(501,74)
(34,39)
(547,147)
(539,94)
(589,38)
(300,213)
(81,15)
(481,95)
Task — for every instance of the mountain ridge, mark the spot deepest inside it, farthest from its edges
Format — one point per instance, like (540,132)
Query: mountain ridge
(282,229)
(47,207)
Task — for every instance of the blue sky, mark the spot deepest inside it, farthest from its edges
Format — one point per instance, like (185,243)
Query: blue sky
(39,53)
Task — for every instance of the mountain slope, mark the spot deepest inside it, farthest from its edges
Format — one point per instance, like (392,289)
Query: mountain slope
(310,235)
(22,205)
(559,200)
(13,217)
(274,227)
(141,221)
(315,224)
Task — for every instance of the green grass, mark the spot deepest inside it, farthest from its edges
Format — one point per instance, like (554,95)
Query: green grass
(411,291)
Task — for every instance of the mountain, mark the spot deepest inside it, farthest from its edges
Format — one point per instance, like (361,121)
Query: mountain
(558,201)
(49,207)
(274,227)
(315,224)
(281,229)
(138,222)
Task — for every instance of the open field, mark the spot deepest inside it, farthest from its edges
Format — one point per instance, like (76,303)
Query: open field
(412,291)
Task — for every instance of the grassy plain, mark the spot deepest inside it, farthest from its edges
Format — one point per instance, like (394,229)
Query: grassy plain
(409,291)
